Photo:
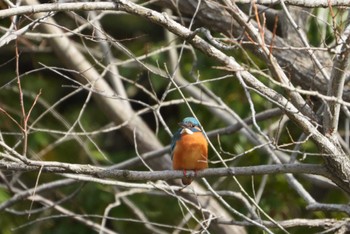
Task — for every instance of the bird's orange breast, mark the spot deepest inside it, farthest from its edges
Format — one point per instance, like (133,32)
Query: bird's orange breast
(191,152)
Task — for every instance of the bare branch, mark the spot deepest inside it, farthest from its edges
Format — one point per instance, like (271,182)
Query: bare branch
(336,86)
(302,3)
(326,223)
(101,172)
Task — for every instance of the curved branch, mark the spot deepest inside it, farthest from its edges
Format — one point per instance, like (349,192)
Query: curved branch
(44,187)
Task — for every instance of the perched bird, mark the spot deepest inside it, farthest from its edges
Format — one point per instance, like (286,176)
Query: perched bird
(189,148)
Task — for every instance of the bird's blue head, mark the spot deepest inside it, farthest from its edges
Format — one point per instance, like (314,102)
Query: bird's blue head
(190,122)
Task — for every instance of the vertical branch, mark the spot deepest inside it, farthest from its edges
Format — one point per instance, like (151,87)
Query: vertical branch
(336,86)
(24,117)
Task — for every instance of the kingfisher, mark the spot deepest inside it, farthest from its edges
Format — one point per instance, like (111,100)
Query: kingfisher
(189,148)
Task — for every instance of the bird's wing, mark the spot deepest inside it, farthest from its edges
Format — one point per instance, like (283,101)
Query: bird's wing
(175,138)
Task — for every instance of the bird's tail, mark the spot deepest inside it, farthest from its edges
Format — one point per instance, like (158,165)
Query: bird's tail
(187,180)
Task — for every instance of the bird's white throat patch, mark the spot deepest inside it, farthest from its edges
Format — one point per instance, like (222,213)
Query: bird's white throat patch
(187,131)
